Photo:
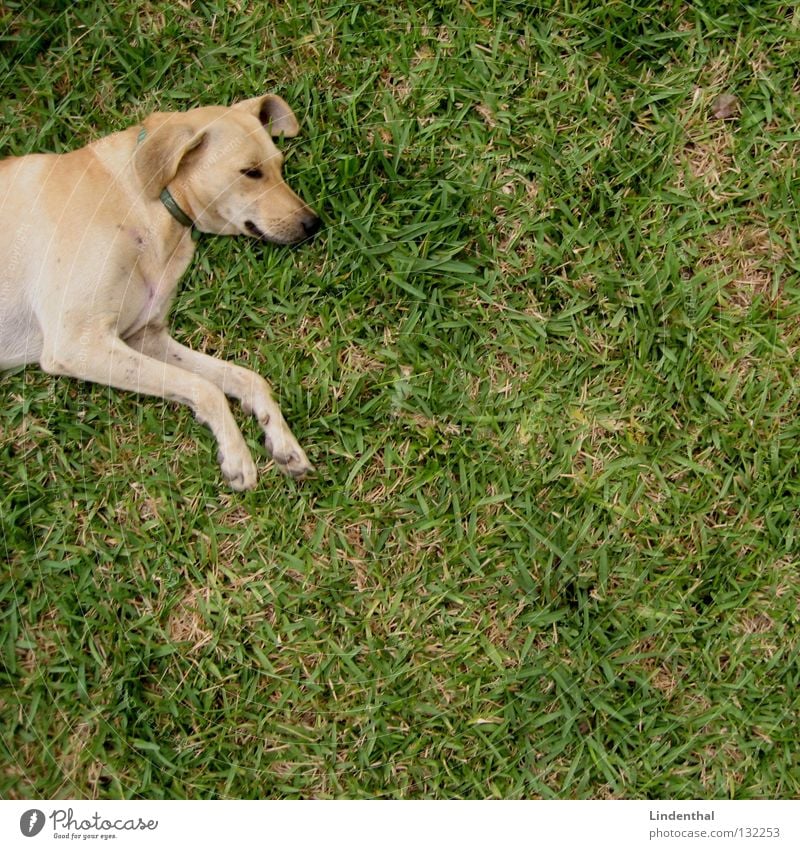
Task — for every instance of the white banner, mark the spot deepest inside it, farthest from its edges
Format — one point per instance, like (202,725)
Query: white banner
(388,824)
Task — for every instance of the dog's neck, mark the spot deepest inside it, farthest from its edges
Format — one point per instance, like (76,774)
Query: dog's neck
(176,211)
(174,207)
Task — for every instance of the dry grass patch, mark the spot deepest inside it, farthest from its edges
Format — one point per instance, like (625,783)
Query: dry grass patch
(186,622)
(746,257)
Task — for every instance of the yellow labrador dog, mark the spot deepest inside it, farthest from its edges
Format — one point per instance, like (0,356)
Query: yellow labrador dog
(94,242)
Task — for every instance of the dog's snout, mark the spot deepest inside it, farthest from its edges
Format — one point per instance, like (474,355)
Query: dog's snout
(311,224)
(287,231)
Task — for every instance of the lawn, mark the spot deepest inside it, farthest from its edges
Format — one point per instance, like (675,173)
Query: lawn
(543,354)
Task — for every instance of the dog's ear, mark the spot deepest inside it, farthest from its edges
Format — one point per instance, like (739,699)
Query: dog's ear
(163,147)
(274,113)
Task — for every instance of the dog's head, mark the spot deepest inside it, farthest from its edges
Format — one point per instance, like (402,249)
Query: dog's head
(224,170)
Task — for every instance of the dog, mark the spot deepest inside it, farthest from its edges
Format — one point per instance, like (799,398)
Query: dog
(94,242)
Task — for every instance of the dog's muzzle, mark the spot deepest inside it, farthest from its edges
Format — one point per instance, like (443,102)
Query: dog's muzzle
(310,221)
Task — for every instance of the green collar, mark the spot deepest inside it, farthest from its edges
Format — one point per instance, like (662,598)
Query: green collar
(178,214)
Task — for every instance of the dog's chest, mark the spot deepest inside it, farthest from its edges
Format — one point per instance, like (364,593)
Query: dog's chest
(153,281)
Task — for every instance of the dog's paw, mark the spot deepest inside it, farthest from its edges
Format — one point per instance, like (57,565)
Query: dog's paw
(294,465)
(291,459)
(239,470)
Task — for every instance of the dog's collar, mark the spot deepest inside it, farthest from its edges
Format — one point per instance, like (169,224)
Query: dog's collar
(178,214)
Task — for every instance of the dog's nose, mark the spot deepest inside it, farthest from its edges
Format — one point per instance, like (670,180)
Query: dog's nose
(311,224)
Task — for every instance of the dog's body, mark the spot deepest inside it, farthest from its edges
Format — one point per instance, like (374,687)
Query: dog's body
(95,241)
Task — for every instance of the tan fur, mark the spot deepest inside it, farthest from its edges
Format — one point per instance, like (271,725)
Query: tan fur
(92,259)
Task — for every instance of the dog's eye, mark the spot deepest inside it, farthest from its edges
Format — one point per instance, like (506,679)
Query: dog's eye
(252,173)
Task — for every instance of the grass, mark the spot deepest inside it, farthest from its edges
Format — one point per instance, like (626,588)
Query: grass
(544,354)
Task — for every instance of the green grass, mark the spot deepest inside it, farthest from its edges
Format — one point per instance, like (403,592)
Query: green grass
(544,354)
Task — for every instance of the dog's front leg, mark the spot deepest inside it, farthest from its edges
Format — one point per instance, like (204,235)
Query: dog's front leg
(246,386)
(106,359)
